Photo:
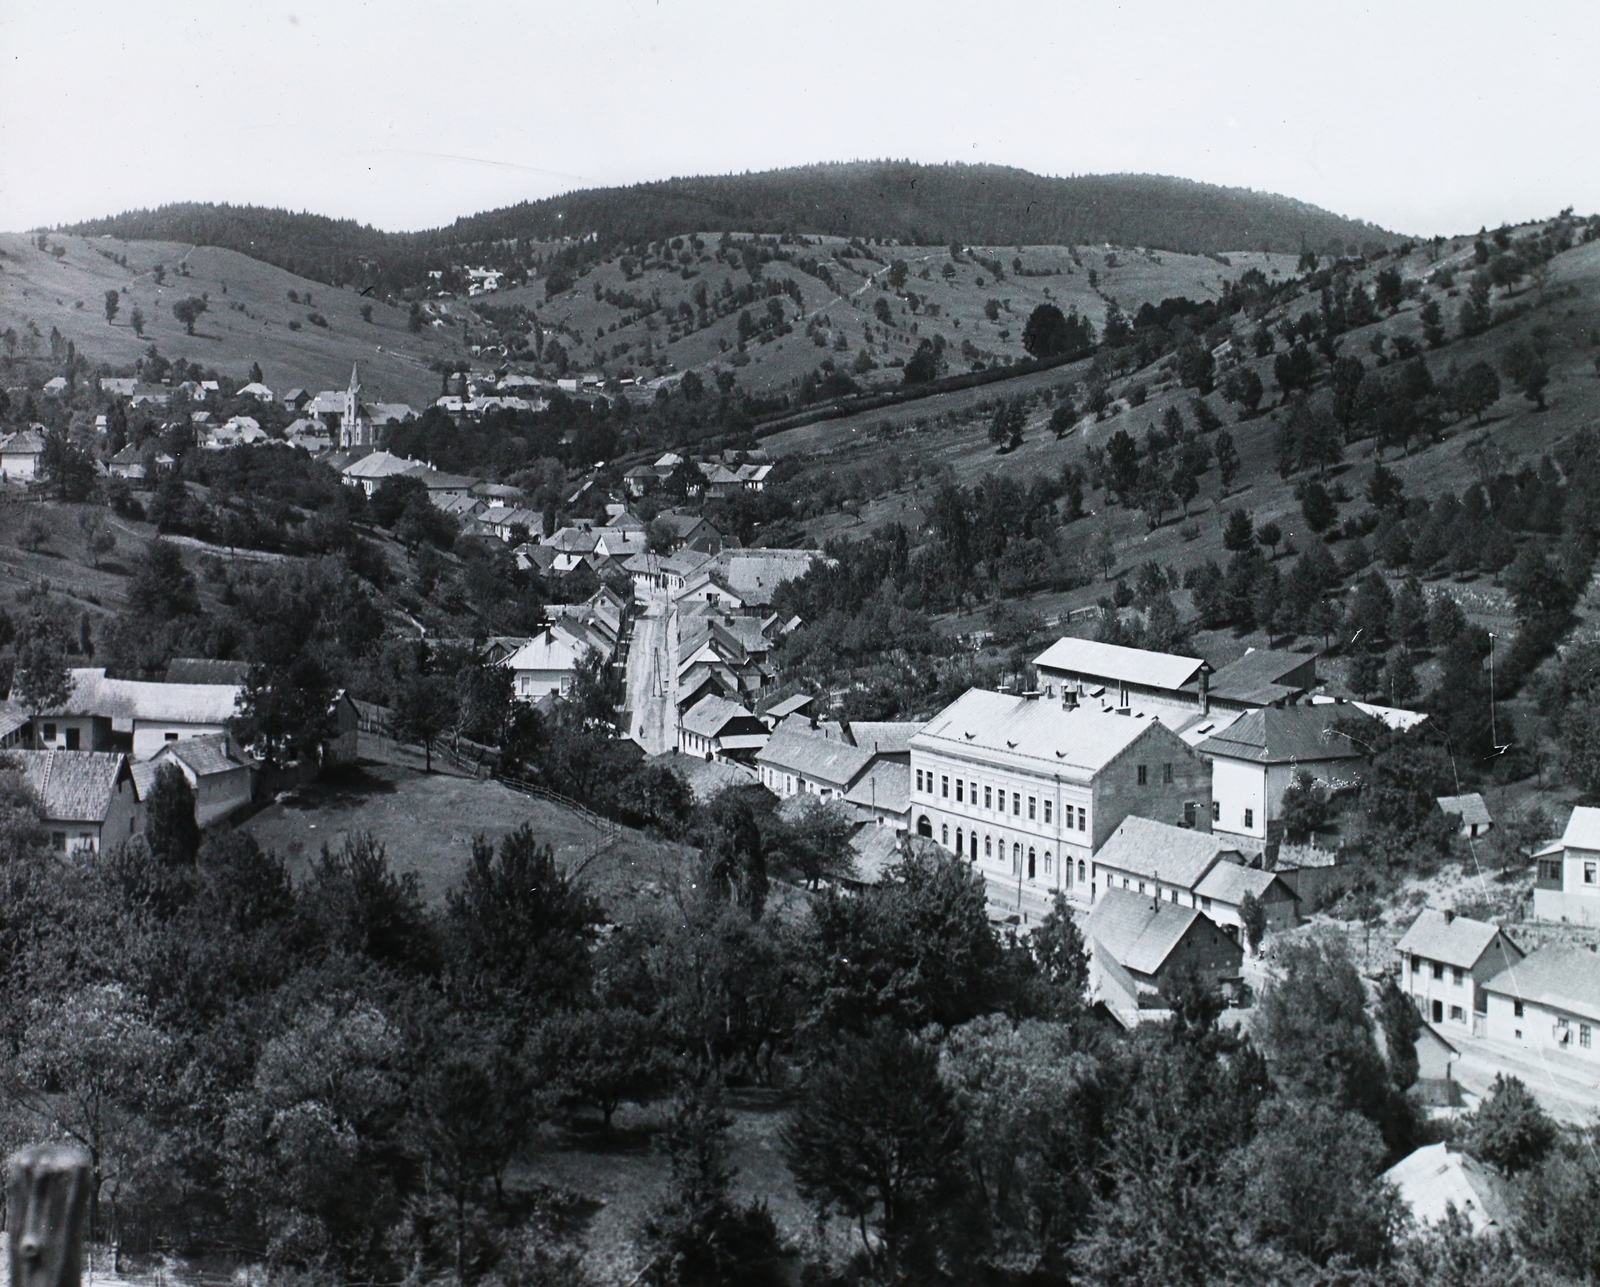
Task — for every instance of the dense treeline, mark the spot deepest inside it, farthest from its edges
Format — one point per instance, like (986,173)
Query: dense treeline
(919,204)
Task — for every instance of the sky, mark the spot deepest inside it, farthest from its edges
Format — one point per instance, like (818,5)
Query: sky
(1421,117)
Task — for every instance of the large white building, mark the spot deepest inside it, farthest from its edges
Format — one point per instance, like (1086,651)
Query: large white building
(1548,1002)
(1029,788)
(1567,886)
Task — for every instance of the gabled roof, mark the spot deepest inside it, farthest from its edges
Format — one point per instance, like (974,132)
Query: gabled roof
(1432,1179)
(205,756)
(886,785)
(1033,734)
(834,764)
(755,575)
(138,699)
(789,705)
(378,464)
(681,524)
(1229,882)
(685,563)
(1583,829)
(1559,976)
(1470,808)
(25,442)
(875,850)
(1138,931)
(73,786)
(885,737)
(1113,661)
(1177,856)
(712,714)
(1261,676)
(1282,735)
(1455,940)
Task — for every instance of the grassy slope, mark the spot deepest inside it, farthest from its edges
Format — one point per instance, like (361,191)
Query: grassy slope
(69,294)
(1138,278)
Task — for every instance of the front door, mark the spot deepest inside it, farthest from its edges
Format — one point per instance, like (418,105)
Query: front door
(72,739)
(1438,1011)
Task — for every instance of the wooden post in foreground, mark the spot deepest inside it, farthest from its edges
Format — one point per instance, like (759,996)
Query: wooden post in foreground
(47,1201)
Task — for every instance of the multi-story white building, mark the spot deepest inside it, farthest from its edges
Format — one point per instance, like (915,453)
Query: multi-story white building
(1445,961)
(1029,789)
(1567,887)
(1549,1001)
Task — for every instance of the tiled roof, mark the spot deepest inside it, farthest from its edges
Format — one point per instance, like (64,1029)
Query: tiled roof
(1229,882)
(1559,976)
(711,715)
(789,705)
(875,850)
(130,699)
(1583,829)
(1455,940)
(378,464)
(204,755)
(1034,734)
(1470,808)
(25,442)
(1172,855)
(886,785)
(1283,735)
(1113,661)
(832,764)
(73,786)
(755,575)
(1432,1180)
(886,737)
(1137,930)
(1259,676)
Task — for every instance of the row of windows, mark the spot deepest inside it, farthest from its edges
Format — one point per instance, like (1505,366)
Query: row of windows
(967,847)
(1585,1035)
(1144,774)
(1417,963)
(995,800)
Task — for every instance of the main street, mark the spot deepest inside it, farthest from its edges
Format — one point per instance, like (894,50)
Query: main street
(652,678)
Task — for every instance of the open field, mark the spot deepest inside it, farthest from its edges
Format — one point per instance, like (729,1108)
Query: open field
(427,822)
(247,319)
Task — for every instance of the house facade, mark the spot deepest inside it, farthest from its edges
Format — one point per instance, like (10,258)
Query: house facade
(1029,789)
(1548,1002)
(88,798)
(1567,884)
(1445,961)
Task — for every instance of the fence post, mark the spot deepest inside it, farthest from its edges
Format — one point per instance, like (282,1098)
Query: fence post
(47,1200)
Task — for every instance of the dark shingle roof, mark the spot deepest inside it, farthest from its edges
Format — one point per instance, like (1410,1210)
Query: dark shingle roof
(1558,976)
(1137,930)
(73,786)
(1470,808)
(1283,735)
(203,670)
(1259,676)
(1455,940)
(833,764)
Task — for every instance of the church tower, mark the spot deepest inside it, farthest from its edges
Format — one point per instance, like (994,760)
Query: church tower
(352,431)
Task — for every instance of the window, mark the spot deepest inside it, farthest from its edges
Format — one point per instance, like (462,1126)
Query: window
(1459,974)
(1166,774)
(1438,969)
(1032,864)
(1588,873)
(1016,857)
(944,834)
(1584,1035)
(988,797)
(1016,803)
(1144,775)
(961,843)
(1457,1015)
(1141,886)
(1172,895)
(1047,805)
(944,786)
(1416,965)
(1188,813)
(973,793)
(959,785)
(1205,903)
(173,737)
(1216,811)
(1083,819)
(1033,808)
(1516,1008)
(1046,862)
(58,840)
(49,732)
(988,846)
(1249,817)
(919,779)
(1080,873)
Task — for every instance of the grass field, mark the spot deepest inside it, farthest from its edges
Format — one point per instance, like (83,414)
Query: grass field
(427,822)
(247,319)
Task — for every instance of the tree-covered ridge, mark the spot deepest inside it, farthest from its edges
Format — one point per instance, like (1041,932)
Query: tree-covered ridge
(917,204)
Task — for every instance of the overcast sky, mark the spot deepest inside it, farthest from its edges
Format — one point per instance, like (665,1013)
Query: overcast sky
(1421,117)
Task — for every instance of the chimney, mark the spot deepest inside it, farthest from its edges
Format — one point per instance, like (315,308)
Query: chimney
(845,734)
(1449,916)
(1205,689)
(1069,698)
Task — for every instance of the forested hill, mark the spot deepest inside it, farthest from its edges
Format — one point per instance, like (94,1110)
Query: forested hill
(925,204)
(986,205)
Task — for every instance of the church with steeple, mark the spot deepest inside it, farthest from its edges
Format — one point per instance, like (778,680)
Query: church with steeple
(352,424)
(355,426)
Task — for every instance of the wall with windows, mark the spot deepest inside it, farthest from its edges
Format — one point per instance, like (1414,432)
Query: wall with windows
(1569,891)
(1444,994)
(1541,1027)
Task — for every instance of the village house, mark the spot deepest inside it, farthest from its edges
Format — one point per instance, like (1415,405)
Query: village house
(1472,812)
(1445,961)
(545,664)
(1137,942)
(1032,788)
(1256,758)
(716,728)
(1566,885)
(135,714)
(21,454)
(1547,1002)
(1190,868)
(795,762)
(88,798)
(369,471)
(118,386)
(255,390)
(221,776)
